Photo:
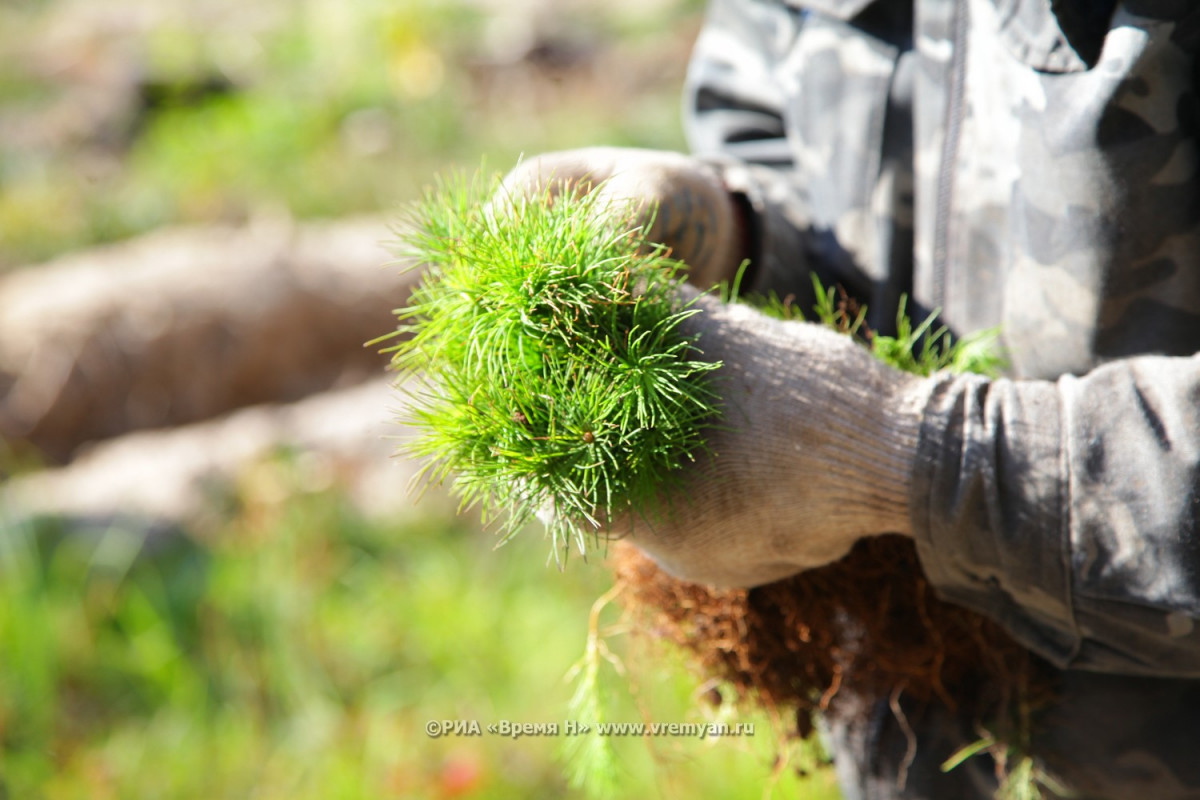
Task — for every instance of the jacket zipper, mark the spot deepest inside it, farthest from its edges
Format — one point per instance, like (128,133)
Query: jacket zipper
(945,189)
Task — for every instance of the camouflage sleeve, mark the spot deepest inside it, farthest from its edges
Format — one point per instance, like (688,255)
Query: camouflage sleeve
(735,120)
(1068,511)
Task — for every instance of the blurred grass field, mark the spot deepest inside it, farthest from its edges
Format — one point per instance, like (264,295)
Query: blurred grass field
(298,648)
(119,117)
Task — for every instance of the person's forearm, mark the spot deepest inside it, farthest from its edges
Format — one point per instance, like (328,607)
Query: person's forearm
(1068,511)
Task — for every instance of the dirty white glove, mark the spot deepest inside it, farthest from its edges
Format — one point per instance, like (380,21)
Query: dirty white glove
(814,452)
(696,217)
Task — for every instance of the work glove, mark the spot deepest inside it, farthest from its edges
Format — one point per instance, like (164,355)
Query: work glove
(689,208)
(816,443)
(814,451)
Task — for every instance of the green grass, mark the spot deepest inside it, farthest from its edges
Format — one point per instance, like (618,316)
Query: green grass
(299,651)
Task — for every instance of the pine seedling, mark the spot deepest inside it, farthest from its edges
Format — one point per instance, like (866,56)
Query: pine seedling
(554,379)
(920,350)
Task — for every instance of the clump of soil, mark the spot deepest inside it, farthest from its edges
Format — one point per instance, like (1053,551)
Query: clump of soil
(866,627)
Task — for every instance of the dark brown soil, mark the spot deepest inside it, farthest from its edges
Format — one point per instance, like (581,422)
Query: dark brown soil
(869,626)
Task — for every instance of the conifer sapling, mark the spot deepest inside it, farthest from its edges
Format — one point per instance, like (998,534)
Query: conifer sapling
(545,344)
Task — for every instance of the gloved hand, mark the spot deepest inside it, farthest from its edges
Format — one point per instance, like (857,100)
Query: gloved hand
(694,215)
(814,452)
(816,445)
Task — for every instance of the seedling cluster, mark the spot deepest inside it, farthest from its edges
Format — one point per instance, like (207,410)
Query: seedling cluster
(552,375)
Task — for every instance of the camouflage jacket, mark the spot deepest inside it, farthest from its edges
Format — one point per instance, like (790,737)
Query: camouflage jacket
(1031,164)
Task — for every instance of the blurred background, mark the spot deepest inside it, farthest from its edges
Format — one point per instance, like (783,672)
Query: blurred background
(214,581)
(122,116)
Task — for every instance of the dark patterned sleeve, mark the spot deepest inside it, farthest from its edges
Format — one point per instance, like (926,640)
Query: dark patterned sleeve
(1068,511)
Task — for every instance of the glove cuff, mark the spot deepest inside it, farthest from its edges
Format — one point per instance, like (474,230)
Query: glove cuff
(875,422)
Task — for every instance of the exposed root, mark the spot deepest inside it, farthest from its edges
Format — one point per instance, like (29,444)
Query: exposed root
(866,627)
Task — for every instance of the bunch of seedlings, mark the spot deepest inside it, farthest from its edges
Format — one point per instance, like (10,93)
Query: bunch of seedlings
(554,379)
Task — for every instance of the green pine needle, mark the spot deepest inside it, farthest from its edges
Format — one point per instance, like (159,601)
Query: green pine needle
(590,759)
(555,376)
